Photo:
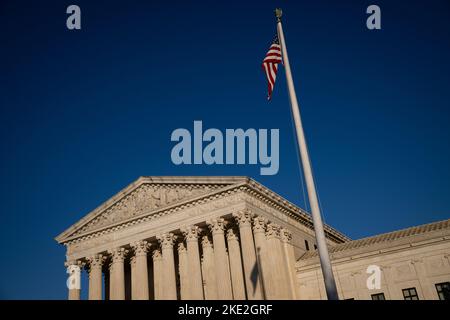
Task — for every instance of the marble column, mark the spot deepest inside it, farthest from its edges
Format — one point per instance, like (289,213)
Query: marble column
(224,290)
(251,271)
(74,280)
(237,276)
(287,293)
(262,254)
(133,277)
(139,284)
(117,274)
(95,276)
(282,290)
(209,269)
(167,241)
(194,265)
(183,271)
(158,271)
(289,258)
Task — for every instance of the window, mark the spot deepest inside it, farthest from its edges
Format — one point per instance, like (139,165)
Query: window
(378,296)
(443,290)
(350,299)
(315,247)
(306,245)
(410,294)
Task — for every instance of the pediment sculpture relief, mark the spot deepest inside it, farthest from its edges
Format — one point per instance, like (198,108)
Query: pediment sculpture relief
(144,199)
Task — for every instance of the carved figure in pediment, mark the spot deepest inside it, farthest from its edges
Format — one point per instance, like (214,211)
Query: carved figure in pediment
(157,198)
(172,195)
(141,200)
(146,197)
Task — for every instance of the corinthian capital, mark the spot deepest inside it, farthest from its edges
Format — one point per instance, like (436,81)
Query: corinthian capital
(286,235)
(156,254)
(273,231)
(232,234)
(206,242)
(191,233)
(118,254)
(216,225)
(167,240)
(259,224)
(74,266)
(244,218)
(96,261)
(140,248)
(181,248)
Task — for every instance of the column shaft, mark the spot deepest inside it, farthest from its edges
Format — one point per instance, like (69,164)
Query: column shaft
(117,274)
(289,257)
(183,271)
(262,254)
(133,277)
(224,290)
(284,270)
(209,269)
(95,277)
(194,264)
(281,287)
(140,283)
(74,294)
(170,285)
(251,270)
(74,280)
(237,276)
(158,280)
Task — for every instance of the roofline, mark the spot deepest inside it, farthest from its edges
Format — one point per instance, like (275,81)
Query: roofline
(328,229)
(383,238)
(149,179)
(231,181)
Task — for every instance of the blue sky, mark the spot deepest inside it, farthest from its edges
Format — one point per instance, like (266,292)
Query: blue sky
(84,113)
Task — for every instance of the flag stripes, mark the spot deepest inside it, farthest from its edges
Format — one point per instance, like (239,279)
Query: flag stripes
(270,65)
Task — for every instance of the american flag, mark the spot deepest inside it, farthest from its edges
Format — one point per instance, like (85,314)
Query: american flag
(270,65)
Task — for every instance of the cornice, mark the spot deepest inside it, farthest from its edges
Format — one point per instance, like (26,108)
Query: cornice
(186,180)
(242,185)
(356,254)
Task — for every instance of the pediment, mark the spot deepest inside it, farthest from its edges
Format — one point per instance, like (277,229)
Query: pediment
(145,195)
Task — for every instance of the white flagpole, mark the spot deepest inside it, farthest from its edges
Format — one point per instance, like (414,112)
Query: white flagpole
(330,284)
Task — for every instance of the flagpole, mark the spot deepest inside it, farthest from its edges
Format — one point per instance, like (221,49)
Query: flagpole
(327,271)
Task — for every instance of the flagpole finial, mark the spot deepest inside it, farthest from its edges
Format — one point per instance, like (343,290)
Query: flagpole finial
(278,13)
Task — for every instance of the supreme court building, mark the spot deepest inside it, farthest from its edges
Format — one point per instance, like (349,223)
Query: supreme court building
(233,238)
